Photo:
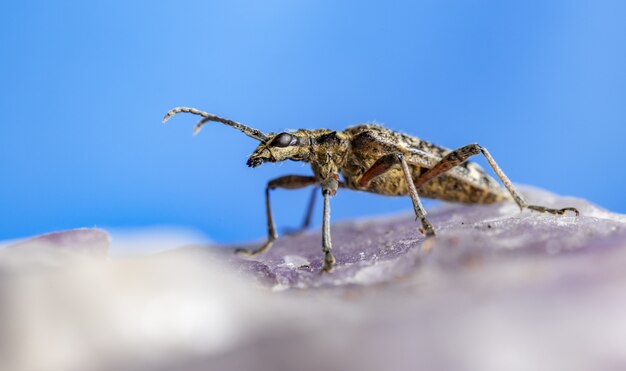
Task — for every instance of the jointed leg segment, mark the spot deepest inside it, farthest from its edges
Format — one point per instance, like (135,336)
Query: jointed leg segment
(286,182)
(461,155)
(329,259)
(449,161)
(383,165)
(295,182)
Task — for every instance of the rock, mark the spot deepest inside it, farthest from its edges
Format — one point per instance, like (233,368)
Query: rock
(497,289)
(383,250)
(56,248)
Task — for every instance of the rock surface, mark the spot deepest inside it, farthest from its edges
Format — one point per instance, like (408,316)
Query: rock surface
(383,250)
(496,289)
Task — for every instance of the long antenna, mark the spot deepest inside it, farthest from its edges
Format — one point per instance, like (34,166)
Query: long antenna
(253,133)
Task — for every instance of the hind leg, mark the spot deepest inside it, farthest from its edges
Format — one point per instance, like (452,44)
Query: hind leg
(461,155)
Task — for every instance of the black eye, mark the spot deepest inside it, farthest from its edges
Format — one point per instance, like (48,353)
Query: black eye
(283,140)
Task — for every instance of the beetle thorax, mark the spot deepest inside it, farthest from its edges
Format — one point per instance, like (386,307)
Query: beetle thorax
(328,153)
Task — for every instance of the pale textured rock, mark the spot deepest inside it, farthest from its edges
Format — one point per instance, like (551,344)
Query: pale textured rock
(79,241)
(499,290)
(55,248)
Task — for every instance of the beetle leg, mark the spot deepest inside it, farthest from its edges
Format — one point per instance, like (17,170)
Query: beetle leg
(420,213)
(381,166)
(460,155)
(308,216)
(329,259)
(286,182)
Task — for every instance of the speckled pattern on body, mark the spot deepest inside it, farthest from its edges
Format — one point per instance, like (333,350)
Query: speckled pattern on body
(467,183)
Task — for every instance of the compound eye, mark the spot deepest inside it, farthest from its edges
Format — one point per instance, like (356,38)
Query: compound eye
(282,140)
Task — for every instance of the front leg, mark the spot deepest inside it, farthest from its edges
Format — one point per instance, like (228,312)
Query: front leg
(329,188)
(285,182)
(329,259)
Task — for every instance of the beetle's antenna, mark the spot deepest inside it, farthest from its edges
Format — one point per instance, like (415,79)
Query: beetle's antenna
(253,133)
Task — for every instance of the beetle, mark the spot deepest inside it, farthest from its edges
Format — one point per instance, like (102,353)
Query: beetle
(375,159)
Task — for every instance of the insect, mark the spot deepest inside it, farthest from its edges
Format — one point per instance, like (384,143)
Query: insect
(374,159)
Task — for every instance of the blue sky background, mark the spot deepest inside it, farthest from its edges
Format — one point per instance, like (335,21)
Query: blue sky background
(84,85)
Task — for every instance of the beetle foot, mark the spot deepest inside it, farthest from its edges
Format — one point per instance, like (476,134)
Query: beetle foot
(247,252)
(329,262)
(543,209)
(427,228)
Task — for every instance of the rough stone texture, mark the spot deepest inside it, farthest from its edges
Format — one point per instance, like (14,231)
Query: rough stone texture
(498,289)
(385,249)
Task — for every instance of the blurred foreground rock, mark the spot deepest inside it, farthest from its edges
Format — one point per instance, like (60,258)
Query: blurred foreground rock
(497,289)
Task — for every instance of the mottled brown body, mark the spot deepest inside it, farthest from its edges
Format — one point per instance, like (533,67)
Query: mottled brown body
(467,183)
(374,159)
